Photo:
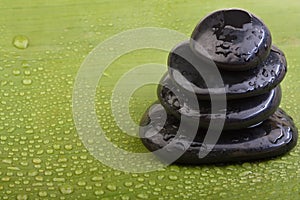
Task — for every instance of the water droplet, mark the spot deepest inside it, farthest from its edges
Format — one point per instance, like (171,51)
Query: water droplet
(81,183)
(36,160)
(16,72)
(142,196)
(111,187)
(275,136)
(5,179)
(27,81)
(128,184)
(66,189)
(27,72)
(43,193)
(99,192)
(68,147)
(125,197)
(21,42)
(173,177)
(25,64)
(22,197)
(97,178)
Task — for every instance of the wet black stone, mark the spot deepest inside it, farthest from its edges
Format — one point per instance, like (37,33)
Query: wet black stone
(240,45)
(241,113)
(240,84)
(273,137)
(234,39)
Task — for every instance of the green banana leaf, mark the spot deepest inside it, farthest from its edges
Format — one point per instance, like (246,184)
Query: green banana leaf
(42,45)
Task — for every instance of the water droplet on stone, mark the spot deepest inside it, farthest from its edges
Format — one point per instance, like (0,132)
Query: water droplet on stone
(275,136)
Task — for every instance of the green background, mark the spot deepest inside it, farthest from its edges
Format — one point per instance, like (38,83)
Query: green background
(41,155)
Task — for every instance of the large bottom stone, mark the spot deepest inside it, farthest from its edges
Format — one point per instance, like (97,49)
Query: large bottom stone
(273,137)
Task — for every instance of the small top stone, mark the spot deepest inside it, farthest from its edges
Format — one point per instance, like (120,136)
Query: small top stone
(234,39)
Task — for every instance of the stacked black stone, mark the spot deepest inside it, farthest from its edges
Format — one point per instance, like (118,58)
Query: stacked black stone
(240,46)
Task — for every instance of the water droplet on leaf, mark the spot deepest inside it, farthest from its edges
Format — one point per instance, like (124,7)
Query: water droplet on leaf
(21,42)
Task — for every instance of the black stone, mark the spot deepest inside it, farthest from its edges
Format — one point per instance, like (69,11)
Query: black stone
(266,76)
(235,48)
(234,39)
(273,137)
(240,113)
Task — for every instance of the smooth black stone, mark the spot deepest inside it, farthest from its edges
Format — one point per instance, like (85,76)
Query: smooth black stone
(240,113)
(275,136)
(234,39)
(266,76)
